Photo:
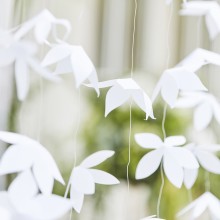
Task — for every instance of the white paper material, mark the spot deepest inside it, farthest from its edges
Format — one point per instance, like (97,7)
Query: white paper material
(41,207)
(22,55)
(83,178)
(199,58)
(175,80)
(206,157)
(206,107)
(174,158)
(209,9)
(201,204)
(43,24)
(26,153)
(121,91)
(71,58)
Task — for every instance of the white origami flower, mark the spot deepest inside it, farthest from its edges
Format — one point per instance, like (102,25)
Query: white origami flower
(43,24)
(175,80)
(121,91)
(198,58)
(205,155)
(207,201)
(209,9)
(174,158)
(72,59)
(26,153)
(41,207)
(83,178)
(21,54)
(206,107)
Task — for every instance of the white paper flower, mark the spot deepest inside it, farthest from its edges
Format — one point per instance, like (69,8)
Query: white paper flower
(199,58)
(41,207)
(121,91)
(206,107)
(205,155)
(207,201)
(209,9)
(43,24)
(21,54)
(25,153)
(174,158)
(175,80)
(72,59)
(83,178)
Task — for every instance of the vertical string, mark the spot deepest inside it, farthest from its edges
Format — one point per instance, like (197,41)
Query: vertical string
(165,111)
(207,182)
(130,107)
(75,141)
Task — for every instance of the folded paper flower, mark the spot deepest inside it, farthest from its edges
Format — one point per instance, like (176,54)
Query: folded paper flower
(206,107)
(121,91)
(72,59)
(173,157)
(209,9)
(207,201)
(43,24)
(41,207)
(206,157)
(26,153)
(199,58)
(175,80)
(83,178)
(21,54)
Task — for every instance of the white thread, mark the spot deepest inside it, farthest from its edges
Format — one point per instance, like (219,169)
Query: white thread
(75,142)
(161,190)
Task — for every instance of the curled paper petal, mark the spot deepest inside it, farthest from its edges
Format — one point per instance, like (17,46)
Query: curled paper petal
(77,199)
(175,140)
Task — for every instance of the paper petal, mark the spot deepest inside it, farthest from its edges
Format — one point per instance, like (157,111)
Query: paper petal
(209,161)
(15,159)
(81,64)
(148,164)
(14,138)
(42,31)
(175,141)
(190,176)
(144,102)
(48,207)
(22,78)
(115,97)
(102,177)
(200,208)
(56,54)
(44,178)
(202,116)
(184,157)
(93,79)
(97,158)
(22,189)
(148,140)
(63,66)
(173,170)
(77,199)
(82,181)
(6,57)
(169,90)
